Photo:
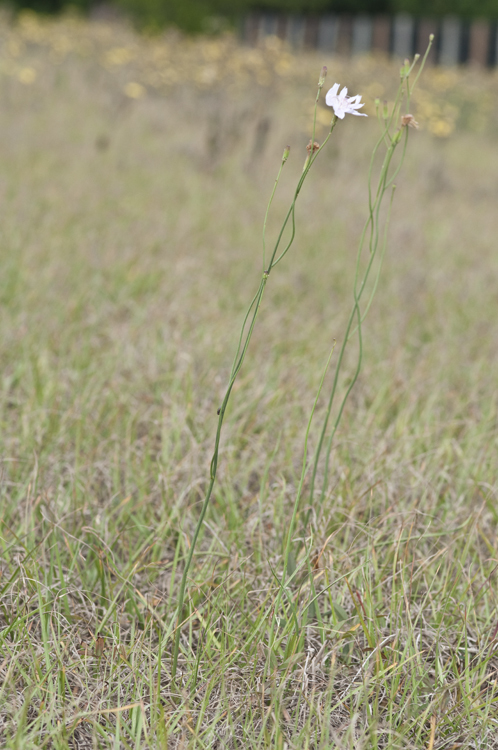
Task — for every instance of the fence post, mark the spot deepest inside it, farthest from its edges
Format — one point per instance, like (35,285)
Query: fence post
(295,32)
(345,34)
(403,35)
(426,27)
(311,32)
(250,29)
(493,49)
(281,26)
(328,29)
(362,35)
(451,36)
(479,39)
(268,25)
(381,34)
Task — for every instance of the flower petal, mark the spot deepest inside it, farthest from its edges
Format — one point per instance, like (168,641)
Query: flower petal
(331,93)
(342,104)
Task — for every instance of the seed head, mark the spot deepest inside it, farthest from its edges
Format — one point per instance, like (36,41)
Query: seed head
(409,121)
(316,146)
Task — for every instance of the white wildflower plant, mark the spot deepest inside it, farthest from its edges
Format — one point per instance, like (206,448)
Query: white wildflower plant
(342,104)
(368,266)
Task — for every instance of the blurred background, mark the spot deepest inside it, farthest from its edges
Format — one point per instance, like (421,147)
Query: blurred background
(204,15)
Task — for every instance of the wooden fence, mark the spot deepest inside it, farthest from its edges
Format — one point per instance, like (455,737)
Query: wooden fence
(456,42)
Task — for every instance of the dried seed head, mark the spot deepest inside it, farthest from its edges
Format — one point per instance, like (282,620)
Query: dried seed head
(316,146)
(409,121)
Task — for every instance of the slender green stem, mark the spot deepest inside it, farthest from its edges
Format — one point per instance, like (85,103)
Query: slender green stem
(377,277)
(422,64)
(284,159)
(242,346)
(345,398)
(372,223)
(292,208)
(372,227)
(213,470)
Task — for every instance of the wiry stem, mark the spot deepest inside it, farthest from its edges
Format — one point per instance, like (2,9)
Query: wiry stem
(243,344)
(372,227)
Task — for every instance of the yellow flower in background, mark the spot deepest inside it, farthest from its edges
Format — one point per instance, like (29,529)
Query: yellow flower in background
(134,90)
(283,64)
(449,99)
(27,76)
(212,51)
(375,90)
(441,128)
(119,56)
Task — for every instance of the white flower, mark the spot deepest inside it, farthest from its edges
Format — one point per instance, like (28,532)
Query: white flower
(342,104)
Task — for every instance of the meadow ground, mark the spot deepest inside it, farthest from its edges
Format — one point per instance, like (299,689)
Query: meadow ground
(134,179)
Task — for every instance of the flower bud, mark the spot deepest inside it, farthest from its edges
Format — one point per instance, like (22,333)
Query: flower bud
(286,153)
(323,76)
(405,68)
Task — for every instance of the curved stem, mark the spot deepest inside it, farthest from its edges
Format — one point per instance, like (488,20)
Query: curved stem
(213,470)
(242,346)
(371,226)
(370,223)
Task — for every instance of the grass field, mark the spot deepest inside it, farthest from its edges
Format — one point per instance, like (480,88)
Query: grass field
(134,179)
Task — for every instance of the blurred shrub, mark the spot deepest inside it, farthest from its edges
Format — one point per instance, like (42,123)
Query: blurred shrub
(324,6)
(190,15)
(46,6)
(198,15)
(463,8)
